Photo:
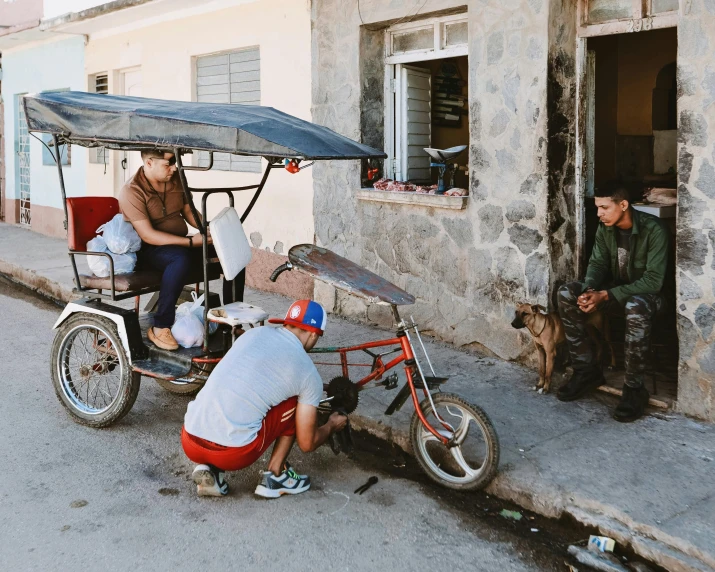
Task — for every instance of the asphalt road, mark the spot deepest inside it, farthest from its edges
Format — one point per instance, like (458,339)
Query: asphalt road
(74,498)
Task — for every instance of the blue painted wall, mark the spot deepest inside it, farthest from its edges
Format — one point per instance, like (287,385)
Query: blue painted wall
(43,67)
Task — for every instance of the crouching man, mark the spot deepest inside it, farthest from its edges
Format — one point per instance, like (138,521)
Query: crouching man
(266,389)
(626,274)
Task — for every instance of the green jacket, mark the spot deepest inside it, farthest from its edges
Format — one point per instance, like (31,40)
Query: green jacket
(647,264)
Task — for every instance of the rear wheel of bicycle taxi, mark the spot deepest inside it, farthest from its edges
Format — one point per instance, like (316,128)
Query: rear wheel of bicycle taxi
(471,463)
(191,384)
(91,372)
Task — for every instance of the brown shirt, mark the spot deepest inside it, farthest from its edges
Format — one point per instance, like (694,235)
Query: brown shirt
(162,206)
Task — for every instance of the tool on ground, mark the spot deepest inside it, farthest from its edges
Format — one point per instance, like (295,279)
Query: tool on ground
(371,481)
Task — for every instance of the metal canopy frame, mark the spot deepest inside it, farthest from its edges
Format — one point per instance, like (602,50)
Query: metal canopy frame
(202,221)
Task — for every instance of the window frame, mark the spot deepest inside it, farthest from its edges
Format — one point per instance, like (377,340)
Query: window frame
(438,52)
(641,19)
(98,155)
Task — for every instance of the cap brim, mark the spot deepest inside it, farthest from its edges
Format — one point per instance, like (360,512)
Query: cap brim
(296,324)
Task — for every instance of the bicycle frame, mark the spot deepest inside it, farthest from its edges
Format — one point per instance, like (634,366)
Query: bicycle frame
(379,368)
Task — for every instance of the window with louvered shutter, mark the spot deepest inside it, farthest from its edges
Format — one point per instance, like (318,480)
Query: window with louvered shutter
(233,77)
(100,82)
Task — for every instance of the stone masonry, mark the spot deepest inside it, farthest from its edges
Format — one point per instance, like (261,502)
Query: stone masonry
(517,238)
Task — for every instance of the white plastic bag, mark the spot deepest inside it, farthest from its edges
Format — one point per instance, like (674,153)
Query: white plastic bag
(120,235)
(188,315)
(230,242)
(197,308)
(188,331)
(99,265)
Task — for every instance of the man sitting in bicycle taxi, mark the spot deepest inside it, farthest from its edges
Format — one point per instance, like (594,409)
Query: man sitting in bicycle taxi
(154,203)
(265,389)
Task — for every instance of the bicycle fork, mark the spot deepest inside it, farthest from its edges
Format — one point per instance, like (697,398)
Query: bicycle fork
(412,367)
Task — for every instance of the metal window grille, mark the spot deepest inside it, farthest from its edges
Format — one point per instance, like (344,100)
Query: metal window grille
(23,153)
(233,77)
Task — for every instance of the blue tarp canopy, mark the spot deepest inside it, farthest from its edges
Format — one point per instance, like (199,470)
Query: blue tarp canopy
(122,122)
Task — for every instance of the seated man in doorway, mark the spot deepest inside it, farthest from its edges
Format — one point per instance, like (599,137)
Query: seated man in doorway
(265,389)
(626,274)
(154,202)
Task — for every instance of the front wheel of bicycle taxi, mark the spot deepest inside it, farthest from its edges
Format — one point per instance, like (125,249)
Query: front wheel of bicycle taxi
(91,372)
(470,462)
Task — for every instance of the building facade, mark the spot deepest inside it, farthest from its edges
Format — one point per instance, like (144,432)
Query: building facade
(551,97)
(220,52)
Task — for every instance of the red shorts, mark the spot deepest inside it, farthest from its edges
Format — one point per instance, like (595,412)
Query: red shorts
(278,422)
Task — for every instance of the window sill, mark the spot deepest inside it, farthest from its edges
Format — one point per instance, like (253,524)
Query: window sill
(418,199)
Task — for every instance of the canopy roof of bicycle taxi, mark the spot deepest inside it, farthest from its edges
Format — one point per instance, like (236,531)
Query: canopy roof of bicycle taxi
(123,122)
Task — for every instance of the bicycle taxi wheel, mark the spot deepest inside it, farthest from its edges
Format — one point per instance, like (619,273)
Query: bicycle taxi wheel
(471,463)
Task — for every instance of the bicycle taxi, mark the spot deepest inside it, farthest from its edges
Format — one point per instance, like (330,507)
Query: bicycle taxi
(100,350)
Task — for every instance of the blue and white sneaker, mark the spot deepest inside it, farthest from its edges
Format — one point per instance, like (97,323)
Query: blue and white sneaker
(210,482)
(287,483)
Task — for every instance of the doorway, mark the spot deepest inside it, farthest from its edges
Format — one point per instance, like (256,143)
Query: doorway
(630,135)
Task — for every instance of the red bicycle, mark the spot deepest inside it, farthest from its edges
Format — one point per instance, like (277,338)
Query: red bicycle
(454,441)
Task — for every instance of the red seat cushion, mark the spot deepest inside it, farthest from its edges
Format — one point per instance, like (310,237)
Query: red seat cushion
(84,216)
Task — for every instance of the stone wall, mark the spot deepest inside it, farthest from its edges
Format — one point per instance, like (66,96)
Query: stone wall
(467,268)
(696,208)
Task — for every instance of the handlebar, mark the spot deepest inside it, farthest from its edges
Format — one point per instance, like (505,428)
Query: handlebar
(278,271)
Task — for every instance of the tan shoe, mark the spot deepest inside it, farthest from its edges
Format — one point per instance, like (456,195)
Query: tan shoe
(162,338)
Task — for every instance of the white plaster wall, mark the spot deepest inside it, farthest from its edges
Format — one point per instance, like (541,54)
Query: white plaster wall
(166,53)
(42,67)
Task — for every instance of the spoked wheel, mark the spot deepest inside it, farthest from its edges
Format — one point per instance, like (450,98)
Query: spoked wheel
(90,371)
(191,384)
(472,462)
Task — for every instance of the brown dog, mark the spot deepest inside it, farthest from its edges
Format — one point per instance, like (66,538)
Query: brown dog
(548,333)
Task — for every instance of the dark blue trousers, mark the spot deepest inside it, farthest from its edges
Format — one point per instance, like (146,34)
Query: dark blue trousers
(176,264)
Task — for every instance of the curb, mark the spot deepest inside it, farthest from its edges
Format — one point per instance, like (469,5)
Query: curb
(672,553)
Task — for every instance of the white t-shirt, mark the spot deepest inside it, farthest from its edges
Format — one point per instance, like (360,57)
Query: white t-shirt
(264,367)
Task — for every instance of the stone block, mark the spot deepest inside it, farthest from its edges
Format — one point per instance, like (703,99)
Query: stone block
(508,267)
(499,123)
(510,89)
(535,49)
(692,39)
(692,249)
(687,337)
(687,79)
(706,179)
(256,239)
(693,129)
(495,47)
(706,361)
(515,140)
(507,161)
(530,184)
(480,267)
(705,320)
(685,165)
(537,276)
(688,289)
(325,295)
(526,239)
(459,230)
(491,223)
(520,210)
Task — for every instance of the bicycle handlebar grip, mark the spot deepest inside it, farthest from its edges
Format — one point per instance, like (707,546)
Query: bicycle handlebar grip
(278,271)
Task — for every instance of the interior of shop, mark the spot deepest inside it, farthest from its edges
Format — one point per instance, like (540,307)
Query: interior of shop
(633,139)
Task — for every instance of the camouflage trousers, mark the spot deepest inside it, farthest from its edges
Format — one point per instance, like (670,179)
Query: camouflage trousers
(639,312)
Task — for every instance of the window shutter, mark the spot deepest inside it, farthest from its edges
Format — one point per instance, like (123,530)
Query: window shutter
(414,122)
(101,85)
(230,78)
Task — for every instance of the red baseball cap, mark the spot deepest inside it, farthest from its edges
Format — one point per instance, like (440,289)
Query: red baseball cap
(306,315)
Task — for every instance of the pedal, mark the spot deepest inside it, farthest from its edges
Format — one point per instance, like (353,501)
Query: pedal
(390,382)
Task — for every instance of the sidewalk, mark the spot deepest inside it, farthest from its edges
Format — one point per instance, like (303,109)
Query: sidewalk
(650,485)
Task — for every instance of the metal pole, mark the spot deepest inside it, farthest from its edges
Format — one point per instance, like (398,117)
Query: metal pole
(58,160)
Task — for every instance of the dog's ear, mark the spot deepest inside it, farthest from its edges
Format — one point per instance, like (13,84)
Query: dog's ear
(538,308)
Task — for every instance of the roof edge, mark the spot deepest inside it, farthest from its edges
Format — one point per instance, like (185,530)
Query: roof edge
(90,13)
(20,28)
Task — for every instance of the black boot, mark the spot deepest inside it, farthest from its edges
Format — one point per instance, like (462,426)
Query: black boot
(582,382)
(632,405)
